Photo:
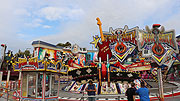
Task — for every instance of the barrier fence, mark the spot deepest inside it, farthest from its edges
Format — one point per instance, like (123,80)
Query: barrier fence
(154,96)
(12,95)
(9,94)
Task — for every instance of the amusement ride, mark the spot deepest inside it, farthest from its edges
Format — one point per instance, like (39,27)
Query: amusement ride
(122,56)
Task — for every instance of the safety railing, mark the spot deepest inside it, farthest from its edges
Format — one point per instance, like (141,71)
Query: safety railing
(172,89)
(9,94)
(117,97)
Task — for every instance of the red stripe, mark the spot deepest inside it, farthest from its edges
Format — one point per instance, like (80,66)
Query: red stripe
(43,90)
(151,98)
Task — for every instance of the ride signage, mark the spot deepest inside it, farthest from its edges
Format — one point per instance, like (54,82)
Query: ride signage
(123,41)
(157,43)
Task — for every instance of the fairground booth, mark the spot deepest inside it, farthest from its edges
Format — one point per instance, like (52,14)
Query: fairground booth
(39,79)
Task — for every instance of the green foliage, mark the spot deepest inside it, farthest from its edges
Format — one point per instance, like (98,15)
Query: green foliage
(25,53)
(64,45)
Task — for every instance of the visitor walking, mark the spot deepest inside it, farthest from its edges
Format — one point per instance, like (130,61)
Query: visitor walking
(130,92)
(91,89)
(143,92)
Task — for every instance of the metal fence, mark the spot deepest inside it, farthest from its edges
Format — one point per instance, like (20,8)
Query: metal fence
(8,94)
(122,96)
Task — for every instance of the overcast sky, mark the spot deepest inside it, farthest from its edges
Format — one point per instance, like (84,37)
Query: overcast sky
(54,21)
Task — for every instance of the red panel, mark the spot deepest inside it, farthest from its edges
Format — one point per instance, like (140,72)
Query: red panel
(55,56)
(104,71)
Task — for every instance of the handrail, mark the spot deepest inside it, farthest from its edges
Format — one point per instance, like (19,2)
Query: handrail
(164,87)
(148,88)
(122,95)
(9,90)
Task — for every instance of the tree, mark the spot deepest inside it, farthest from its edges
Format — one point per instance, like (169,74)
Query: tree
(64,45)
(67,44)
(22,54)
(27,53)
(60,44)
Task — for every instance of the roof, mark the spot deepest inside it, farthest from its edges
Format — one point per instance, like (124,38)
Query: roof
(45,43)
(178,36)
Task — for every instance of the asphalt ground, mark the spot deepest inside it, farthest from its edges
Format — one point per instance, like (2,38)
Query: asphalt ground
(152,90)
(167,88)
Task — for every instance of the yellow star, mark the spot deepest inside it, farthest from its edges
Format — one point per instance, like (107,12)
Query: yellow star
(95,40)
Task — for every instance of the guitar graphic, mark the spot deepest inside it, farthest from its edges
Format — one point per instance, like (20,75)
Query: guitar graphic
(104,48)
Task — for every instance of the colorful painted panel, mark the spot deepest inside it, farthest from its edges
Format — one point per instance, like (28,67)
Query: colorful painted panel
(123,87)
(121,42)
(80,59)
(91,56)
(43,51)
(157,43)
(32,64)
(137,83)
(108,90)
(86,85)
(68,87)
(75,88)
(140,68)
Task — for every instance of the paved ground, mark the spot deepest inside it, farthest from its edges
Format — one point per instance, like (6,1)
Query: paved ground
(68,94)
(167,87)
(1,99)
(177,98)
(152,91)
(153,84)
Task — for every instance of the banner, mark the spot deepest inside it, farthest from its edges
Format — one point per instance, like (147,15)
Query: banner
(32,64)
(157,43)
(84,73)
(119,42)
(108,90)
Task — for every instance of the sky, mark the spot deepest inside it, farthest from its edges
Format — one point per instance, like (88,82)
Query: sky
(59,21)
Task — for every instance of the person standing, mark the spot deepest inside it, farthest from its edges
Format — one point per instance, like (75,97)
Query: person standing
(143,92)
(91,89)
(176,73)
(130,92)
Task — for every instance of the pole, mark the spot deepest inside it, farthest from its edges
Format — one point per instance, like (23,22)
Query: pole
(100,71)
(108,70)
(19,80)
(1,75)
(3,50)
(8,76)
(160,84)
(7,84)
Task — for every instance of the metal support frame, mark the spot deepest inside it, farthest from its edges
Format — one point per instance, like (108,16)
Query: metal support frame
(160,84)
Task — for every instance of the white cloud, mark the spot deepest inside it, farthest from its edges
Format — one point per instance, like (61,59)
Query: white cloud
(22,12)
(35,23)
(113,14)
(10,22)
(173,23)
(57,13)
(46,26)
(21,35)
